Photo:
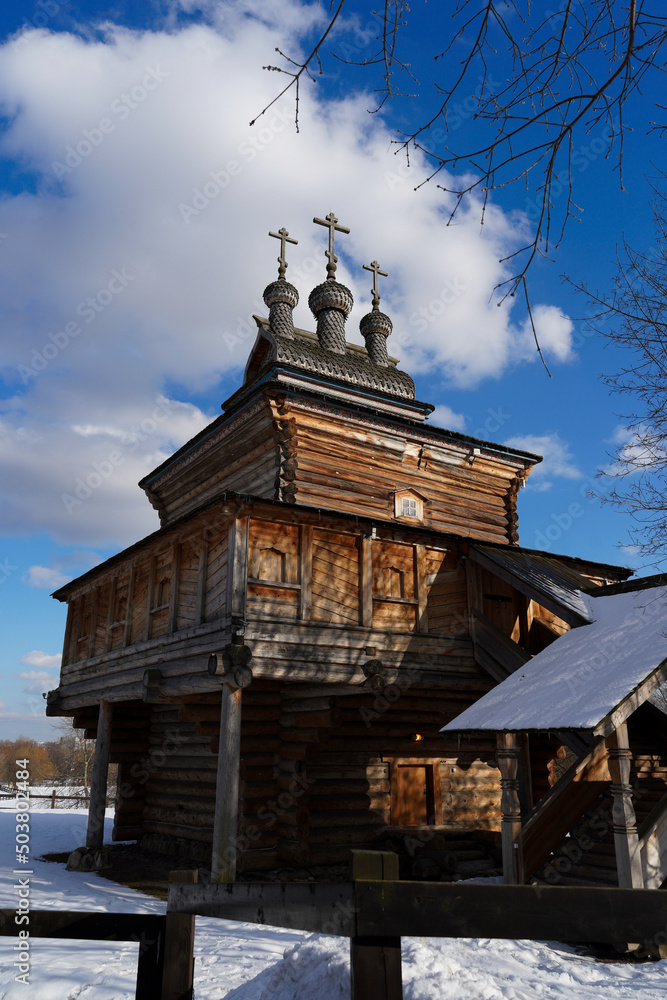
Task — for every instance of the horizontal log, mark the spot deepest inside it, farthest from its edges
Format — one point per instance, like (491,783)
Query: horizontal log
(299,720)
(308,703)
(298,853)
(127,832)
(200,834)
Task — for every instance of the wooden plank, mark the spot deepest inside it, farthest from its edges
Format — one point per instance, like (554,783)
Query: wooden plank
(366,582)
(238,566)
(503,650)
(324,907)
(175,585)
(202,569)
(178,972)
(538,913)
(306,571)
(152,568)
(98,783)
(130,605)
(422,589)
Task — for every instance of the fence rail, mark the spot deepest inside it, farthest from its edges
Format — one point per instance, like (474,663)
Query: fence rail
(84,799)
(373,910)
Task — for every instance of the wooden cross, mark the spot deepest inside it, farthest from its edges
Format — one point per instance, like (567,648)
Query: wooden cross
(375,268)
(284,238)
(331,223)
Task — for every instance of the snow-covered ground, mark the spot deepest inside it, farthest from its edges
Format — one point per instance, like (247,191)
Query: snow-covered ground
(246,962)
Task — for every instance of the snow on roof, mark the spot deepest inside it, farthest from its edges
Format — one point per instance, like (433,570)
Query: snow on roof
(582,677)
(543,575)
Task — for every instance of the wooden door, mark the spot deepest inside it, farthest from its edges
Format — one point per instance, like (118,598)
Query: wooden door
(413,800)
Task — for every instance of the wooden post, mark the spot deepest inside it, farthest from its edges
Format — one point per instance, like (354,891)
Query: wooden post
(175,583)
(98,782)
(129,607)
(508,761)
(225,821)
(306,557)
(626,841)
(201,577)
(375,962)
(53,799)
(179,962)
(366,573)
(237,563)
(422,589)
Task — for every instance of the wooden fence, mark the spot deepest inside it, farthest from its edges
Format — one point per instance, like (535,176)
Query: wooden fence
(373,910)
(53,797)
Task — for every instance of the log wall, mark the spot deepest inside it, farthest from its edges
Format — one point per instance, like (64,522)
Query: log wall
(318,770)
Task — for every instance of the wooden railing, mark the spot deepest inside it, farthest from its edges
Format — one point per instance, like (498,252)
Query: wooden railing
(653,845)
(555,815)
(496,652)
(148,930)
(373,909)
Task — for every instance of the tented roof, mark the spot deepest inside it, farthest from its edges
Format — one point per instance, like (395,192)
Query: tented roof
(591,678)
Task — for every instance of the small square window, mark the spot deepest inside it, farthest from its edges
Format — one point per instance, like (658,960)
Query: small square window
(407,504)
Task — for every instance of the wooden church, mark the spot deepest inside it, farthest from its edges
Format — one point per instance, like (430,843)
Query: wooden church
(332,582)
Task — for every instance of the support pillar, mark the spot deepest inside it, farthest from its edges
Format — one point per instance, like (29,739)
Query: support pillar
(508,755)
(98,782)
(626,841)
(225,823)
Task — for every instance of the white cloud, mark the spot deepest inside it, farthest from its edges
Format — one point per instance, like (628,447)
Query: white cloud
(558,462)
(444,416)
(38,681)
(45,578)
(147,239)
(36,658)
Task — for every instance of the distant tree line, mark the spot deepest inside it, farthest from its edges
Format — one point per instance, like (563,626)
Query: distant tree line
(66,760)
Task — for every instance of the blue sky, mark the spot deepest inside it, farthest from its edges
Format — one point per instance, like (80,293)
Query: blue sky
(135,202)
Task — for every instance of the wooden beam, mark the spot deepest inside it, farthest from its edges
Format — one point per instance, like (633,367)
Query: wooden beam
(508,761)
(563,806)
(110,611)
(178,972)
(422,589)
(202,570)
(626,840)
(237,563)
(325,908)
(366,582)
(432,909)
(149,596)
(98,783)
(545,599)
(306,575)
(93,622)
(130,605)
(535,912)
(175,580)
(633,701)
(496,647)
(225,822)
